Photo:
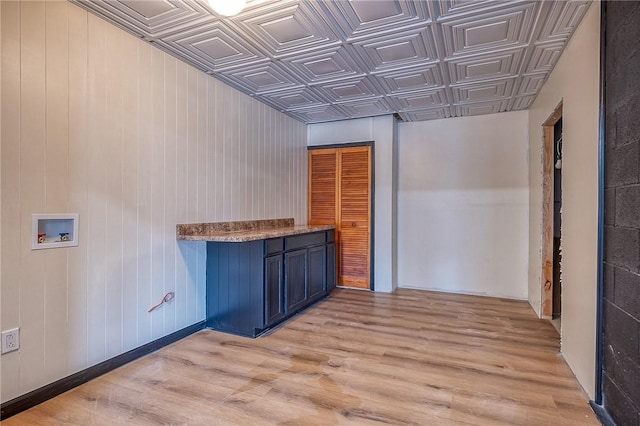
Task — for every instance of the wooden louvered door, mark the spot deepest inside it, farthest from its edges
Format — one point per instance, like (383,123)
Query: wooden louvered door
(354,212)
(340,195)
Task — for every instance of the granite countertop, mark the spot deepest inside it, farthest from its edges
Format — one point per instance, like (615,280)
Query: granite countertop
(242,231)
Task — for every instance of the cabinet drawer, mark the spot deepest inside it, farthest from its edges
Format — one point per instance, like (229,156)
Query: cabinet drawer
(305,240)
(274,245)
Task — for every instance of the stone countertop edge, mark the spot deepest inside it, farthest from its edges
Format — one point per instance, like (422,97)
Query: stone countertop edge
(254,234)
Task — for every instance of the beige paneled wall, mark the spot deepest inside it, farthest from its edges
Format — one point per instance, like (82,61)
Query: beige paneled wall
(97,122)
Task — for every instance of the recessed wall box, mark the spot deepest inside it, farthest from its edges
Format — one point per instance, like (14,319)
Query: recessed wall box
(54,231)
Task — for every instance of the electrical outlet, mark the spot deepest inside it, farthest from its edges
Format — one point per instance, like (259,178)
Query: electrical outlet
(10,340)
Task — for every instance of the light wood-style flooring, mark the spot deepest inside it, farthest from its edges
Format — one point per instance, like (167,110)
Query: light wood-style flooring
(357,358)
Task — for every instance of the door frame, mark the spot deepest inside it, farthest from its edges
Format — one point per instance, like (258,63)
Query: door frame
(548,150)
(372,188)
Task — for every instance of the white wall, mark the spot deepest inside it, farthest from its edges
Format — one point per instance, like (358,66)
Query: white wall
(463,205)
(97,122)
(381,130)
(575,82)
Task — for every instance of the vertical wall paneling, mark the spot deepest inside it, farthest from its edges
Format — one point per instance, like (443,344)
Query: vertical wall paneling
(210,151)
(221,109)
(157,159)
(96,235)
(239,150)
(202,146)
(262,137)
(10,170)
(99,123)
(129,147)
(192,146)
(225,128)
(201,185)
(245,154)
(191,143)
(144,175)
(181,192)
(168,311)
(33,187)
(231,149)
(281,172)
(114,208)
(78,198)
(57,148)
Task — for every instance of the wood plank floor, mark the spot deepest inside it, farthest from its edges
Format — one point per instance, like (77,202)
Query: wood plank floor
(357,358)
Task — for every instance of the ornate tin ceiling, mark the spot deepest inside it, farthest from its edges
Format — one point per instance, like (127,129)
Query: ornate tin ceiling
(331,60)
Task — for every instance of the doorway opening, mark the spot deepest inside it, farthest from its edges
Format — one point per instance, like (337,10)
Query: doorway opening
(551,288)
(557,219)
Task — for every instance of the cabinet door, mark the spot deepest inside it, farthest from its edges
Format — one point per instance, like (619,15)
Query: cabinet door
(295,279)
(274,291)
(317,271)
(331,266)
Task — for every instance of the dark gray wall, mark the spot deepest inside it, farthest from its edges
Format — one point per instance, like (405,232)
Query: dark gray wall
(621,351)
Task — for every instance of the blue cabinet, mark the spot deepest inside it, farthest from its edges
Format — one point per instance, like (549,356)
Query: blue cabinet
(254,285)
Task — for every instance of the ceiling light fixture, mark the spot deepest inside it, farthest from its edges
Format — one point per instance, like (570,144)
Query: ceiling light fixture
(227,7)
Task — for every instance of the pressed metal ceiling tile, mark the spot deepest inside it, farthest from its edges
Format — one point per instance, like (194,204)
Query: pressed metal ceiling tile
(150,9)
(347,90)
(318,114)
(563,19)
(485,67)
(544,57)
(500,29)
(295,99)
(420,100)
(328,65)
(263,78)
(462,7)
(367,107)
(361,18)
(522,103)
(480,108)
(425,114)
(498,89)
(531,84)
(215,45)
(286,29)
(324,60)
(395,50)
(410,79)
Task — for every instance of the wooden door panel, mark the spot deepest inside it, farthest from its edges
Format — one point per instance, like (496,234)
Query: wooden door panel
(354,257)
(354,216)
(323,173)
(354,186)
